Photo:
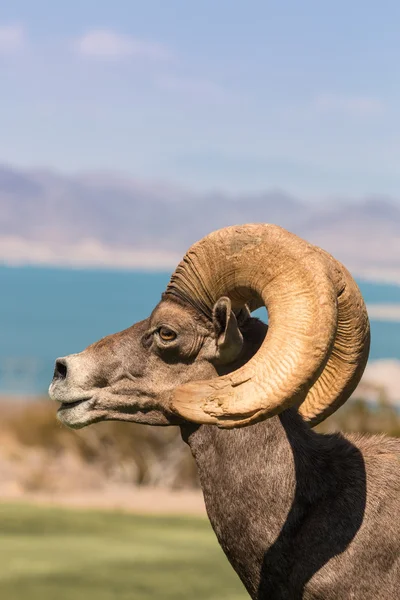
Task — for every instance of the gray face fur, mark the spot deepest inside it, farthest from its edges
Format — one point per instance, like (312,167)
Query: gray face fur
(131,375)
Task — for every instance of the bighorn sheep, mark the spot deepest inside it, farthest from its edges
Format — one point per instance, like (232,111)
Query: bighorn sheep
(298,514)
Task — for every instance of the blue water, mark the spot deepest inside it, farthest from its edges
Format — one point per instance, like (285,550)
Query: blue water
(45,313)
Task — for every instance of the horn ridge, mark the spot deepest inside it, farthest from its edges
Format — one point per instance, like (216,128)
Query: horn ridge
(318,337)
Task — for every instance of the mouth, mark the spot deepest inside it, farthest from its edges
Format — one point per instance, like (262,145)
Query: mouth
(76,414)
(68,405)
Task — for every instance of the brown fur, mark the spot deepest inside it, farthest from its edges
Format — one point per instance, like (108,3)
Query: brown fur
(299,515)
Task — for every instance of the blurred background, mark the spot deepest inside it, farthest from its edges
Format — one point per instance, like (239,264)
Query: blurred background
(129,130)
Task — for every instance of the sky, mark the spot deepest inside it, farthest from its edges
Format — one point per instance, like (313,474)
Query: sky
(214,94)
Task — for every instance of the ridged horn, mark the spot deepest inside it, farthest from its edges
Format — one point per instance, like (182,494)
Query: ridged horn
(318,338)
(349,355)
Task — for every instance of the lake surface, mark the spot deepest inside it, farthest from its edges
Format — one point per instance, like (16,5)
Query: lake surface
(47,312)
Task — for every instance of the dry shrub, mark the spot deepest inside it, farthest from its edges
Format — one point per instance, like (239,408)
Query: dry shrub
(47,455)
(360,416)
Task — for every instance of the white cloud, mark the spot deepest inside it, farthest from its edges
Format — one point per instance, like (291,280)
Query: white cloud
(363,106)
(107,44)
(12,38)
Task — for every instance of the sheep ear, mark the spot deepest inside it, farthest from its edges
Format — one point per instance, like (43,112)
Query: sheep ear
(229,339)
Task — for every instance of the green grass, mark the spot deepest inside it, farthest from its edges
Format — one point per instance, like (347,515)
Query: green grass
(62,554)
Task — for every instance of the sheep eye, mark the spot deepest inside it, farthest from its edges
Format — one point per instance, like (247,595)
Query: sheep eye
(167,335)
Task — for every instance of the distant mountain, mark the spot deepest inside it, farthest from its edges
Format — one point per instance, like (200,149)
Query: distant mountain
(101,218)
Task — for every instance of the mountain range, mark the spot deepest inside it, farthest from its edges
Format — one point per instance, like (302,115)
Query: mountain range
(113,220)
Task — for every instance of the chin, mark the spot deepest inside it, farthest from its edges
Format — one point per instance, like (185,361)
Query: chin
(78,415)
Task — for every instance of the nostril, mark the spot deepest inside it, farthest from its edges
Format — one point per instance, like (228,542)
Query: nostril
(60,369)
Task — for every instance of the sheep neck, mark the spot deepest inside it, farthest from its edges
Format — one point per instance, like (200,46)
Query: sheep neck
(259,483)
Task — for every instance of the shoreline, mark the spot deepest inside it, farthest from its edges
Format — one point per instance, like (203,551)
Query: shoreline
(93,254)
(87,254)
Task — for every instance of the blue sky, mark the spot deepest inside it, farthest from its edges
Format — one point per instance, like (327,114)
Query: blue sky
(236,95)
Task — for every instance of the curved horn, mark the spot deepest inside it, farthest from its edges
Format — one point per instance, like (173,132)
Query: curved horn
(318,337)
(349,355)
